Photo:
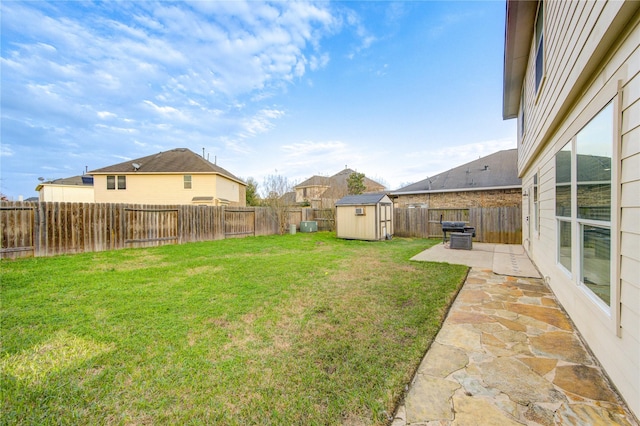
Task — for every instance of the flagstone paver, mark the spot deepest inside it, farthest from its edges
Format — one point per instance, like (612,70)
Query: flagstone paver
(507,354)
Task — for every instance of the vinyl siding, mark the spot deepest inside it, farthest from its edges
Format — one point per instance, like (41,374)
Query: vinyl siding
(590,48)
(572,35)
(167,189)
(227,189)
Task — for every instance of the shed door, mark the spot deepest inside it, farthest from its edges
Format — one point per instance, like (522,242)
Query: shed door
(385,221)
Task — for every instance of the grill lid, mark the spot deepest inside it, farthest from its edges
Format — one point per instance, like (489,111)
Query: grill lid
(454,225)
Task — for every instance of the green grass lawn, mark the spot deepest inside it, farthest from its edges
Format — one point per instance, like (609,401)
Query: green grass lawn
(294,329)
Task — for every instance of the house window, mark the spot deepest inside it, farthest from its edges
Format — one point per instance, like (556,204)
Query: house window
(121,181)
(539,70)
(590,191)
(564,244)
(187,181)
(594,146)
(563,205)
(563,182)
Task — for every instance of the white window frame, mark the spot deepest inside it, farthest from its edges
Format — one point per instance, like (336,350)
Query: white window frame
(612,310)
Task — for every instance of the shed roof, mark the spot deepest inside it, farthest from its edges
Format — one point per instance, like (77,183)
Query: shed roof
(360,200)
(179,160)
(498,170)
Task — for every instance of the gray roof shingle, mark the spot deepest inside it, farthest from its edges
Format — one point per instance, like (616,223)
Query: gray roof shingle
(73,180)
(497,170)
(179,160)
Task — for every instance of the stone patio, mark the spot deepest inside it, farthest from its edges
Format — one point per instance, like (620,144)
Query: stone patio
(507,354)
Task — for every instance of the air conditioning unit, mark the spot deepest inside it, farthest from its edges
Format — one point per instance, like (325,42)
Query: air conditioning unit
(359,211)
(308,226)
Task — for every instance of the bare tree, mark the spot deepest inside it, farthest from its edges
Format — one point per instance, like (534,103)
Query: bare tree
(275,189)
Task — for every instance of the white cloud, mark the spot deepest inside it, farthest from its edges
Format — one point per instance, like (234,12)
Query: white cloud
(95,78)
(261,122)
(447,22)
(365,37)
(106,114)
(301,160)
(5,150)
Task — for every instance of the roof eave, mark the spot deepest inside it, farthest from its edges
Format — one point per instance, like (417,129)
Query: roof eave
(519,25)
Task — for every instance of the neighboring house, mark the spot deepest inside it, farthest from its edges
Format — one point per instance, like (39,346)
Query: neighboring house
(572,80)
(289,198)
(490,181)
(318,188)
(76,189)
(178,176)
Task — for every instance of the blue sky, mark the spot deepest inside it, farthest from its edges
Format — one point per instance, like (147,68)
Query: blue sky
(396,90)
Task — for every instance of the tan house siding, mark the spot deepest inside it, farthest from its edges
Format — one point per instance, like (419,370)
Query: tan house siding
(592,58)
(168,189)
(308,193)
(66,193)
(573,51)
(227,189)
(462,199)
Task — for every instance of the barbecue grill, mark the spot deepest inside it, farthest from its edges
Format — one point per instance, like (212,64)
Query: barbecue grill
(450,227)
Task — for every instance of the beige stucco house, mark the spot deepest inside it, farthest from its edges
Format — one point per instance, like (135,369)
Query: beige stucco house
(572,80)
(75,189)
(490,181)
(178,176)
(318,188)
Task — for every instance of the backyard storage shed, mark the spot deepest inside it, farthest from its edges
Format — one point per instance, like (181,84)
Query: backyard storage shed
(364,217)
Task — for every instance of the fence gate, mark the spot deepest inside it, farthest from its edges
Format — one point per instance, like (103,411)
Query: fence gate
(239,222)
(17,223)
(145,226)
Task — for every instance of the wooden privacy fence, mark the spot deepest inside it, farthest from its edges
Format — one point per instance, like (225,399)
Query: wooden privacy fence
(493,224)
(48,229)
